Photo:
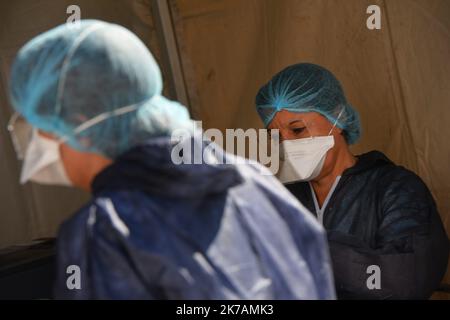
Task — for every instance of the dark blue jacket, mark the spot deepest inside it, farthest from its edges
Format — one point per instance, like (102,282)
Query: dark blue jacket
(382,215)
(156,230)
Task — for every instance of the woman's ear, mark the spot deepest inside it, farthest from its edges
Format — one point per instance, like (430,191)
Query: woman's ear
(343,133)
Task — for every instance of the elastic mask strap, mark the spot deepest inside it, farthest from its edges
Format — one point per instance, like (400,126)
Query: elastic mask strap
(106,115)
(336,121)
(97,119)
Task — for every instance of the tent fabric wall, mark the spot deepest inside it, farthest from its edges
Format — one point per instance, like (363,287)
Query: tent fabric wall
(422,51)
(32,211)
(398,78)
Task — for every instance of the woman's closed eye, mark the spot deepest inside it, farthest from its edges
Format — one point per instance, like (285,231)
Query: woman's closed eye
(298,130)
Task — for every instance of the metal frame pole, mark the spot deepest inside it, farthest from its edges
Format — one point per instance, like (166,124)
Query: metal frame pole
(169,49)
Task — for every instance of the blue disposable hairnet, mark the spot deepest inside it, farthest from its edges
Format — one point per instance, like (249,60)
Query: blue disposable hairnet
(95,85)
(307,87)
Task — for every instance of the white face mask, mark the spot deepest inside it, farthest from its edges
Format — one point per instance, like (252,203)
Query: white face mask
(303,159)
(42,162)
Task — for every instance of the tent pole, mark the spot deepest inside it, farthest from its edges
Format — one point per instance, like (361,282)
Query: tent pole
(170,56)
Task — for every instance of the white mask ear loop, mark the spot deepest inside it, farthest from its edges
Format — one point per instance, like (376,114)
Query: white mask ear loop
(336,121)
(105,115)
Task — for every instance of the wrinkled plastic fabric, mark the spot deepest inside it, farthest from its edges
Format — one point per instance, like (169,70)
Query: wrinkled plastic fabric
(70,75)
(307,87)
(382,216)
(155,230)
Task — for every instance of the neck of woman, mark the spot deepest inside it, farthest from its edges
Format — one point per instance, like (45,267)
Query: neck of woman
(322,186)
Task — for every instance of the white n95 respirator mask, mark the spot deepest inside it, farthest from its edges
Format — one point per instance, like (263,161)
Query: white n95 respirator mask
(42,162)
(303,159)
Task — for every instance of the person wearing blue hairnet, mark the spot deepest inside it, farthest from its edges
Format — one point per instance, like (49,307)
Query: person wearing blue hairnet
(90,114)
(385,234)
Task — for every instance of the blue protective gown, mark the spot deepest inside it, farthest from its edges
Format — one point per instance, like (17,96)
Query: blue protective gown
(156,230)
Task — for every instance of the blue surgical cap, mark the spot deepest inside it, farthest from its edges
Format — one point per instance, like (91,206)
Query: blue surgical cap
(97,77)
(307,87)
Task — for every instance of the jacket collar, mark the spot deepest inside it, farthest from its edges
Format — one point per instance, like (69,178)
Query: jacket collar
(367,161)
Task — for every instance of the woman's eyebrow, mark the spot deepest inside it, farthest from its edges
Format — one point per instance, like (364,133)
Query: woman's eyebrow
(295,120)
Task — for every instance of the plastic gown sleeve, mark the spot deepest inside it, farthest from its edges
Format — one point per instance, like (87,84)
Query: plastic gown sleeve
(310,239)
(100,251)
(316,252)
